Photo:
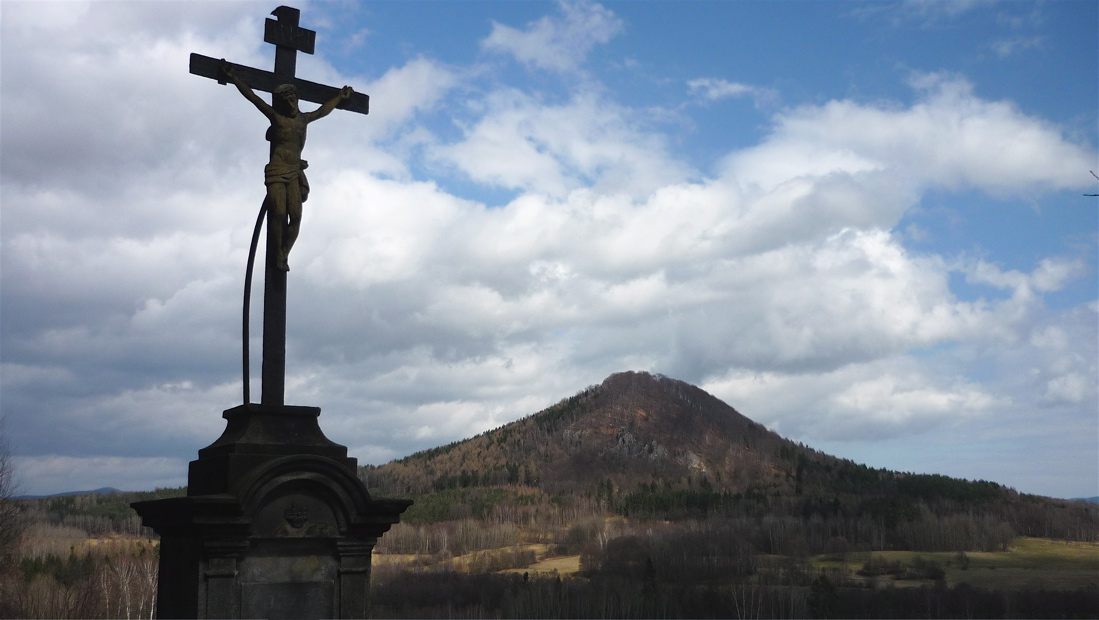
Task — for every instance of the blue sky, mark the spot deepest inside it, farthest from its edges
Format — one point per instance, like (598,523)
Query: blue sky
(859,223)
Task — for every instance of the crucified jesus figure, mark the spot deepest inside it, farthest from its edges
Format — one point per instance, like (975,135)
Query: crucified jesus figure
(284,175)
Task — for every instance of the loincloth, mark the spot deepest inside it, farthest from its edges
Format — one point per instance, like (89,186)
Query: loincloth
(288,173)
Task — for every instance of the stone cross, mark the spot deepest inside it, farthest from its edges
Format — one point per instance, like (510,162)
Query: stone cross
(288,39)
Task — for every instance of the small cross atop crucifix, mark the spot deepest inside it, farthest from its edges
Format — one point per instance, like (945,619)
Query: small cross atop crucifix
(288,39)
(284,175)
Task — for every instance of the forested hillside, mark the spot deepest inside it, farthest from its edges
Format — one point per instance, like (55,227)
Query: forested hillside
(632,428)
(648,447)
(97,513)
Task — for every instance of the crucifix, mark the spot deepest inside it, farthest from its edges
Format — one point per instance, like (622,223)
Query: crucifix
(284,175)
(276,522)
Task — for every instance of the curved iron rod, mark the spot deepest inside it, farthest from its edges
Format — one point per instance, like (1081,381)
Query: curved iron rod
(248,297)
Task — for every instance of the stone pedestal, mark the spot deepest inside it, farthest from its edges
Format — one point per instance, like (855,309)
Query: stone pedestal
(275,524)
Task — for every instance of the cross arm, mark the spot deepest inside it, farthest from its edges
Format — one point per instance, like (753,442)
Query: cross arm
(266,81)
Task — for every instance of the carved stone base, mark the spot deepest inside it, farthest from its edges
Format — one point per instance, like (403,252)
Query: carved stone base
(275,524)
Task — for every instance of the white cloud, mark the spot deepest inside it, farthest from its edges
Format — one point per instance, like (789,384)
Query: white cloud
(889,400)
(418,85)
(1051,275)
(890,397)
(97,112)
(949,9)
(557,43)
(949,138)
(1071,389)
(523,143)
(1014,45)
(716,89)
(1063,371)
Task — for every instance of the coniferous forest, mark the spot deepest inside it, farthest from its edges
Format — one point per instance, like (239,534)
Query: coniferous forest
(642,497)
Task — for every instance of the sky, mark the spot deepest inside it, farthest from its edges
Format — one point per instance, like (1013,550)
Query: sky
(861,224)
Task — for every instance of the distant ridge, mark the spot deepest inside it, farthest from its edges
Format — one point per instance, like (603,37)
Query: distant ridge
(99,491)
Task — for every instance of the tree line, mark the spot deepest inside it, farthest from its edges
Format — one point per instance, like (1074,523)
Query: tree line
(453,594)
(77,556)
(112,579)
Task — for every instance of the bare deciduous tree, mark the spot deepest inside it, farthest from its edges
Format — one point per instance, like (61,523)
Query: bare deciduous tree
(12,521)
(12,525)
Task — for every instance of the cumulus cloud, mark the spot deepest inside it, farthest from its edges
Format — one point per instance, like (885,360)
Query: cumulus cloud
(857,402)
(418,316)
(522,143)
(417,86)
(1048,276)
(949,138)
(558,43)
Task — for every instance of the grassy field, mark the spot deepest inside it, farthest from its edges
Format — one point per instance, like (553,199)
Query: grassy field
(540,560)
(564,565)
(1028,563)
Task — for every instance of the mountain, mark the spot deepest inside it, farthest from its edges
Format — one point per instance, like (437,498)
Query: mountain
(637,429)
(647,446)
(633,428)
